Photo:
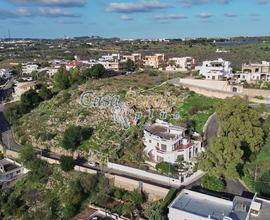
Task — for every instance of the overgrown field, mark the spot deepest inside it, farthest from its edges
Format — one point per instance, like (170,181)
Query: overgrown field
(44,126)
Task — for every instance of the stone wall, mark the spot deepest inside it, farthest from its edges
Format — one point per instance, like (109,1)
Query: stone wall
(221,89)
(153,192)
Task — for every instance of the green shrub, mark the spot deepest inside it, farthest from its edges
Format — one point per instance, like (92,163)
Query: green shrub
(153,74)
(259,97)
(213,183)
(262,186)
(66,163)
(169,198)
(165,168)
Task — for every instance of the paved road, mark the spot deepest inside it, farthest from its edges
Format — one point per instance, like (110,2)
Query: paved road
(6,133)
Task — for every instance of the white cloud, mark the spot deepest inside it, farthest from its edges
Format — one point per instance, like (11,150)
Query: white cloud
(230,15)
(126,18)
(33,12)
(204,15)
(190,3)
(64,3)
(169,17)
(141,6)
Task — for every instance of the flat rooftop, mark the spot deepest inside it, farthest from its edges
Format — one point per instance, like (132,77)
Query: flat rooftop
(8,165)
(164,130)
(202,205)
(264,212)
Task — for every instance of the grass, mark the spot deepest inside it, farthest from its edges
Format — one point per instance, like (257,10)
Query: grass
(198,109)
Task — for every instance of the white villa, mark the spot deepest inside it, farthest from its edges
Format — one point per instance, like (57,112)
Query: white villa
(216,69)
(181,64)
(165,142)
(28,68)
(255,71)
(9,171)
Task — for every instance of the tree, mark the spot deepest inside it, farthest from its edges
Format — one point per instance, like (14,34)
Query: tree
(130,65)
(133,201)
(72,138)
(66,163)
(240,135)
(154,211)
(213,183)
(30,99)
(88,183)
(27,154)
(95,71)
(74,135)
(62,79)
(44,93)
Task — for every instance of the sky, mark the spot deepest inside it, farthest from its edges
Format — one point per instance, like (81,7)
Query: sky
(130,19)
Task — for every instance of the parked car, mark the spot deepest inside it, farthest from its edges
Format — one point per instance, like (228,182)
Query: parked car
(92,164)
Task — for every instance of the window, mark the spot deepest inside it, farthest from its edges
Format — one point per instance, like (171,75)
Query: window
(189,154)
(150,141)
(163,147)
(256,70)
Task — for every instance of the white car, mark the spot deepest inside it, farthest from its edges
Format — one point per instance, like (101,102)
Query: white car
(92,164)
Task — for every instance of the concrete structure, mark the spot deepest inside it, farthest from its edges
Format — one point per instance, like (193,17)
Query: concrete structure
(28,68)
(190,205)
(154,61)
(181,64)
(9,171)
(165,142)
(216,69)
(255,71)
(156,177)
(135,57)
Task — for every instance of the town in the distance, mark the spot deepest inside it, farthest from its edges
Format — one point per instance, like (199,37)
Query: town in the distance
(105,128)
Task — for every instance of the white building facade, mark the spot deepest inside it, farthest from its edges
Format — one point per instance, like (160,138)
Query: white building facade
(216,69)
(181,64)
(9,170)
(255,72)
(27,69)
(165,142)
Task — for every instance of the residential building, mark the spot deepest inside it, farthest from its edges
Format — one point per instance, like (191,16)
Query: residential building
(165,142)
(5,74)
(135,57)
(181,64)
(216,69)
(22,87)
(73,64)
(255,71)
(190,205)
(115,65)
(28,68)
(9,171)
(154,61)
(111,57)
